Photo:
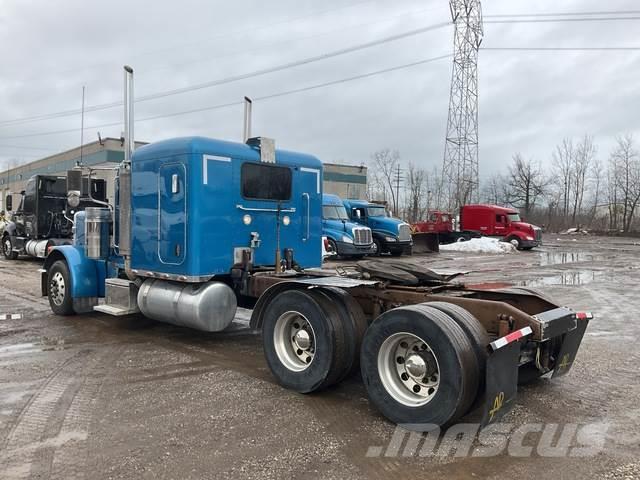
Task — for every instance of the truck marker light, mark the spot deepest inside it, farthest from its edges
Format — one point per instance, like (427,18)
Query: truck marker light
(511,337)
(286,220)
(584,315)
(246,219)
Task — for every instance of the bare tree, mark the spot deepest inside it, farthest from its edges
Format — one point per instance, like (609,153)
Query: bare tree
(416,188)
(626,174)
(495,190)
(385,166)
(563,158)
(583,157)
(526,183)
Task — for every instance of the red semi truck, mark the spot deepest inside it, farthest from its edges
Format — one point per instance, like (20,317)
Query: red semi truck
(485,220)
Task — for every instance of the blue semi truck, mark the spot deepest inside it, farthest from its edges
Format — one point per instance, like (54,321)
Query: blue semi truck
(390,235)
(202,226)
(345,237)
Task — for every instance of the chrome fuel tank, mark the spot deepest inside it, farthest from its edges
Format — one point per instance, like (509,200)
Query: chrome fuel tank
(209,307)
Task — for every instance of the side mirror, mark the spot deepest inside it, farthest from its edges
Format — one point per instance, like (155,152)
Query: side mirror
(8,202)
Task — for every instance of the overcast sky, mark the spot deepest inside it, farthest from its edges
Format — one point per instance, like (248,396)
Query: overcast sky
(529,101)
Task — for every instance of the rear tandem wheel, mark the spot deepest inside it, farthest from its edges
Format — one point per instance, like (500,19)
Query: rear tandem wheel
(419,367)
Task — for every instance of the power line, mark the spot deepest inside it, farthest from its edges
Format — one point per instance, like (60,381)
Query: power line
(564,14)
(24,147)
(224,35)
(568,49)
(256,98)
(553,20)
(235,78)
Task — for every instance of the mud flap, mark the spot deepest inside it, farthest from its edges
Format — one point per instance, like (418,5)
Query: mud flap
(426,242)
(569,348)
(501,383)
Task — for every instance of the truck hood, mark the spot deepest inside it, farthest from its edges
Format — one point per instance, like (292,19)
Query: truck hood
(337,225)
(524,226)
(385,224)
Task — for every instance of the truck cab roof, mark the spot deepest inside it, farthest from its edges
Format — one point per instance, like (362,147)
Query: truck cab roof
(494,208)
(232,150)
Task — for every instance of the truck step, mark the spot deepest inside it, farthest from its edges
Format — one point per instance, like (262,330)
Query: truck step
(121,297)
(114,310)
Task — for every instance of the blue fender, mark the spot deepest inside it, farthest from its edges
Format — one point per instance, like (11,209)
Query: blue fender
(87,275)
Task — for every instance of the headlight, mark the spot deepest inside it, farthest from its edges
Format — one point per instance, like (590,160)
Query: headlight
(286,220)
(346,239)
(390,239)
(528,237)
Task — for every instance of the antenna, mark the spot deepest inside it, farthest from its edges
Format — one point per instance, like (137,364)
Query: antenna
(82,125)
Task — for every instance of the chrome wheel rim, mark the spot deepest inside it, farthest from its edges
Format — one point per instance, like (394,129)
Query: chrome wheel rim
(514,242)
(408,369)
(57,288)
(7,246)
(294,341)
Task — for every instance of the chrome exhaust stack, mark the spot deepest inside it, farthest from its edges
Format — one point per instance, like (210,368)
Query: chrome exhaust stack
(246,130)
(124,175)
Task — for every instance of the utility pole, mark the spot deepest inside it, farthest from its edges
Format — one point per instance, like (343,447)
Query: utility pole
(397,205)
(460,166)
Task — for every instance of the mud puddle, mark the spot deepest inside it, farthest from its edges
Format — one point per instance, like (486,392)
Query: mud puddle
(581,277)
(563,258)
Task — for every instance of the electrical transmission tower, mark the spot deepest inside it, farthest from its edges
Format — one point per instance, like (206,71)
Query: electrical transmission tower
(460,167)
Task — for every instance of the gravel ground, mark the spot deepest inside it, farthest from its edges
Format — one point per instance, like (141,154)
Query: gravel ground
(98,397)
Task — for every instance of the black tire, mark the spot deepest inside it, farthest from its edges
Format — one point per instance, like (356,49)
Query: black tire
(333,245)
(456,361)
(396,253)
(378,246)
(58,288)
(476,333)
(515,241)
(7,248)
(355,323)
(330,352)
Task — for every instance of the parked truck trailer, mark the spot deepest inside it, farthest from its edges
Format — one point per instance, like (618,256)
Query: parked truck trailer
(202,226)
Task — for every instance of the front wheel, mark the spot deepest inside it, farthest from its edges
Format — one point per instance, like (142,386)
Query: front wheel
(515,241)
(7,248)
(377,248)
(59,289)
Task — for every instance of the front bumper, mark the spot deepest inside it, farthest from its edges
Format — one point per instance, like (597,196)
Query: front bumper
(529,243)
(351,249)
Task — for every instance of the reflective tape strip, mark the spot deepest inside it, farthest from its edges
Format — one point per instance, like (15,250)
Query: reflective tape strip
(584,315)
(512,337)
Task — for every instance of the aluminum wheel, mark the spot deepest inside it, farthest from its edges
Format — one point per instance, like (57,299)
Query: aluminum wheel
(7,246)
(408,369)
(294,341)
(514,242)
(57,288)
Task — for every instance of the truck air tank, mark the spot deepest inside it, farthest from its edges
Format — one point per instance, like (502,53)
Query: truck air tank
(96,231)
(209,307)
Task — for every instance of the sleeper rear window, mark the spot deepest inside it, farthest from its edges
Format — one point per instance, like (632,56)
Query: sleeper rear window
(266,182)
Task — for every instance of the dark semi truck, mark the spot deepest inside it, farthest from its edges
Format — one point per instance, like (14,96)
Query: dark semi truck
(43,218)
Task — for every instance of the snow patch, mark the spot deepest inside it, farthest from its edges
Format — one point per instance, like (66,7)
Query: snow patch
(480,245)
